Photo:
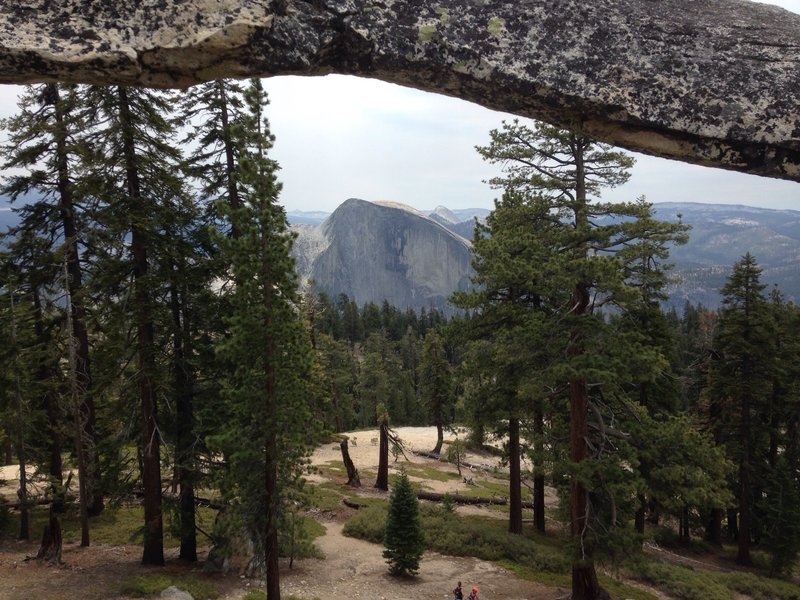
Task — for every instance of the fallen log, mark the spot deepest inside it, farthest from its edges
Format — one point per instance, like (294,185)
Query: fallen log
(435,456)
(459,499)
(351,504)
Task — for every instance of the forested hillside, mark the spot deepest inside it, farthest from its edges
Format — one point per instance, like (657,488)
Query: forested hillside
(160,356)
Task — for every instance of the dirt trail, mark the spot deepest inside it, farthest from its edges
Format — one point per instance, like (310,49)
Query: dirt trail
(356,569)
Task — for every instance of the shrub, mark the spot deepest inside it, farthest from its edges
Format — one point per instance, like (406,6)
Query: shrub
(447,533)
(683,583)
(150,585)
(367,524)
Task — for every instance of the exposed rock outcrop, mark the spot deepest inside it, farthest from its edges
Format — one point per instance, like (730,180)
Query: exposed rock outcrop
(714,82)
(374,252)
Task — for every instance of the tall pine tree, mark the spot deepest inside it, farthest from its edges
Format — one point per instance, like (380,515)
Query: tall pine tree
(265,433)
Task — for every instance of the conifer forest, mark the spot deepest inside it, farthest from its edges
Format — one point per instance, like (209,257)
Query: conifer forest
(162,360)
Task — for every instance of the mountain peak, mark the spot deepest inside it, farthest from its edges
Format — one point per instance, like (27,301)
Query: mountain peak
(446,214)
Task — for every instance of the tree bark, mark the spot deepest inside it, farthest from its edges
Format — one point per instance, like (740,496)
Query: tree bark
(515,478)
(272,572)
(230,160)
(538,470)
(184,420)
(743,546)
(584,577)
(22,491)
(584,583)
(382,480)
(439,438)
(638,518)
(714,528)
(353,479)
(52,542)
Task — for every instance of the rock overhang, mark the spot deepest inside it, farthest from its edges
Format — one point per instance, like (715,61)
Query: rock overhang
(713,82)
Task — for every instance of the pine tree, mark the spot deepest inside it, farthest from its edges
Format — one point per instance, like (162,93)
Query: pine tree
(404,539)
(436,385)
(581,268)
(265,430)
(780,507)
(740,380)
(214,111)
(44,155)
(131,142)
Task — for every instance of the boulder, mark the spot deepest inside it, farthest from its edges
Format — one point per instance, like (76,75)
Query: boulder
(173,593)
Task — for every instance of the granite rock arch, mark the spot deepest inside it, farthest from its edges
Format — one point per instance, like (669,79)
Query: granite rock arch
(713,82)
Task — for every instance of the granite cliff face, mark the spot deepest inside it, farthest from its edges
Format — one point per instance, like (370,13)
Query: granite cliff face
(373,251)
(713,82)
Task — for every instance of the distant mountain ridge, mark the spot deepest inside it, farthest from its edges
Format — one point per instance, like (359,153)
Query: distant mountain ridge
(721,234)
(376,251)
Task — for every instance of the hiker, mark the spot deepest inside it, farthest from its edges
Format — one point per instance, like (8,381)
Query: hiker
(473,594)
(458,593)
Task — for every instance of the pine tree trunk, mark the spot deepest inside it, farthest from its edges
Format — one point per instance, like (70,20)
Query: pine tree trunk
(714,529)
(273,587)
(538,503)
(230,160)
(538,469)
(743,550)
(153,552)
(733,524)
(585,585)
(79,332)
(584,578)
(638,518)
(78,430)
(22,491)
(515,479)
(439,438)
(8,452)
(353,479)
(382,481)
(44,374)
(52,541)
(184,420)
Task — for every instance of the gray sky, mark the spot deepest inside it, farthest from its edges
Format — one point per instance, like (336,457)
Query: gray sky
(341,137)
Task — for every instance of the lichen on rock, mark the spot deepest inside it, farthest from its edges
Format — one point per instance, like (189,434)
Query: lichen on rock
(713,82)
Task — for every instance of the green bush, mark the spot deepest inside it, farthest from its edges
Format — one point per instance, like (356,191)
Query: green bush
(688,584)
(150,585)
(447,533)
(760,588)
(367,524)
(680,582)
